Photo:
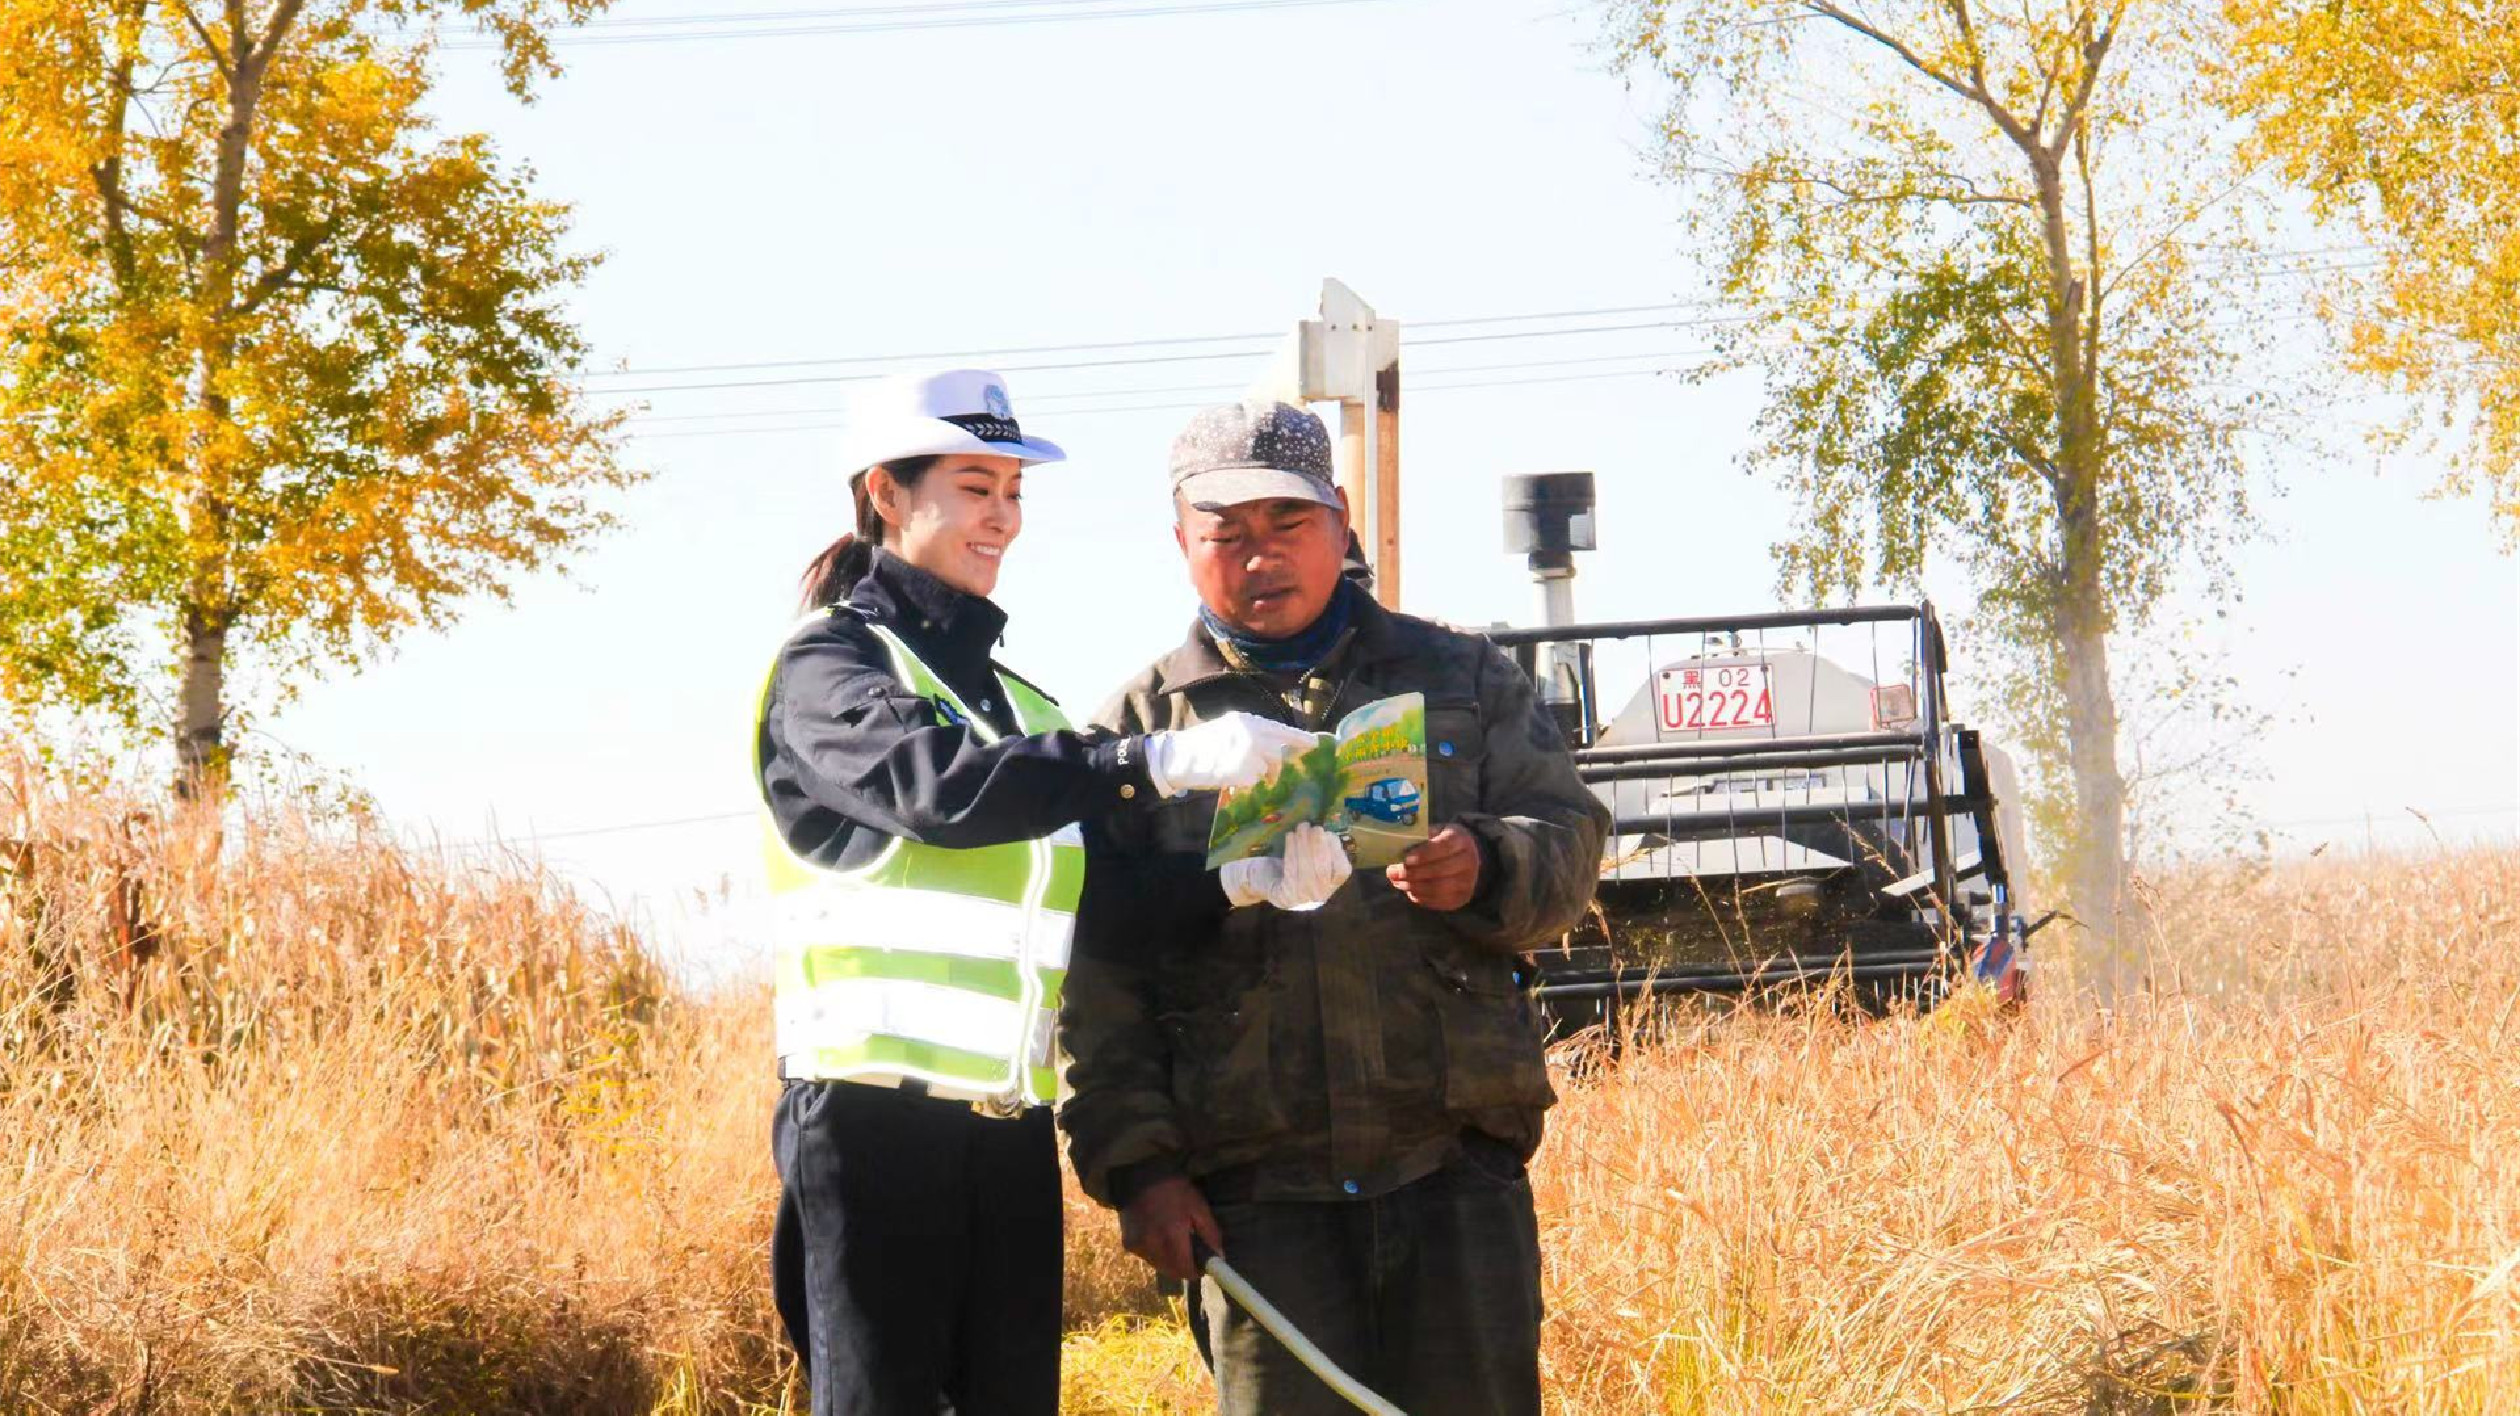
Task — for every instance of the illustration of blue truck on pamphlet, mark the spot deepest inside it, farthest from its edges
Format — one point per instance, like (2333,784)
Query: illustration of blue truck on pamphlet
(1363,782)
(1393,800)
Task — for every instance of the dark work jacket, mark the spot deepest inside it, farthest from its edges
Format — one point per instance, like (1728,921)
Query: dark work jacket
(1343,1051)
(849,757)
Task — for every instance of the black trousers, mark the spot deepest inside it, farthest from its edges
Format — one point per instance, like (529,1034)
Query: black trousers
(1430,1295)
(916,1256)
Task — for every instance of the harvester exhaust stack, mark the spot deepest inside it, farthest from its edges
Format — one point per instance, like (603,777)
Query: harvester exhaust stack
(1549,517)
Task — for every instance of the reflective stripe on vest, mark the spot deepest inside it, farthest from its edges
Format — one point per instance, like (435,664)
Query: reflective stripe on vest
(944,965)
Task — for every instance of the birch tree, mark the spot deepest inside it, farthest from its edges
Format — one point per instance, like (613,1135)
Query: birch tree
(1977,251)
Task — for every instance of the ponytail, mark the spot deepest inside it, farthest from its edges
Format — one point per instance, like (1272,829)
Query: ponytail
(830,576)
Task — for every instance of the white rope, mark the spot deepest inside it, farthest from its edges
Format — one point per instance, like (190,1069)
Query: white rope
(1357,1393)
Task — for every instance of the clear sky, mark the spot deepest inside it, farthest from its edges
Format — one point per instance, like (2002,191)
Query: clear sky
(839,195)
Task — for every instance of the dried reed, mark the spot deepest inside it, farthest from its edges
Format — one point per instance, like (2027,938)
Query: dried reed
(304,1121)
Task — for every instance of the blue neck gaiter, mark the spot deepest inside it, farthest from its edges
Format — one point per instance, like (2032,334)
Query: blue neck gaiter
(1298,653)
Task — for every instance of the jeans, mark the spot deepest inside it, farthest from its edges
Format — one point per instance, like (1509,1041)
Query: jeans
(1430,1295)
(916,1257)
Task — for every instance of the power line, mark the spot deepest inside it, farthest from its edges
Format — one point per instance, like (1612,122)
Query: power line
(823,409)
(1566,378)
(1593,329)
(1728,312)
(582,40)
(1208,388)
(930,355)
(1185,407)
(1142,360)
(927,9)
(1708,303)
(1060,401)
(803,381)
(1261,336)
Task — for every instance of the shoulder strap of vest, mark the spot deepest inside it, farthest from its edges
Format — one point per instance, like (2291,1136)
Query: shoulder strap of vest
(914,672)
(1013,677)
(1035,710)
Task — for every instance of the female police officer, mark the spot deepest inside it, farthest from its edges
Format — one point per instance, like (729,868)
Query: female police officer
(925,866)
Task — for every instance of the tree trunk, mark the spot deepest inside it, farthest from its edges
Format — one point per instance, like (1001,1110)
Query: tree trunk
(2096,857)
(201,751)
(201,748)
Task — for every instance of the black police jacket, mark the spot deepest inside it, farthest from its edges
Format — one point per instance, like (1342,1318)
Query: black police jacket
(849,756)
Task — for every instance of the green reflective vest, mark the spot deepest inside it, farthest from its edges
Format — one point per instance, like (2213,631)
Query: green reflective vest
(942,965)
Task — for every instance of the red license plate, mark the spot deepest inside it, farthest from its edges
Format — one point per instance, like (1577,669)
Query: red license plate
(1712,697)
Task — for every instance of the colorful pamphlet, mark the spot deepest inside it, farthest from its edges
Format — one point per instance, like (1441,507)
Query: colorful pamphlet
(1364,782)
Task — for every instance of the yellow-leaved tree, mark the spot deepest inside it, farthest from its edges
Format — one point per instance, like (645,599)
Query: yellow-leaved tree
(283,370)
(2402,120)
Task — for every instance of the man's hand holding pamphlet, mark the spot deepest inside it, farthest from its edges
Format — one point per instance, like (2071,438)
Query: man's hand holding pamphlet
(1363,783)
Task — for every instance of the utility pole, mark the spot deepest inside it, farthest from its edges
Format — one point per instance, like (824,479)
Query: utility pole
(1351,356)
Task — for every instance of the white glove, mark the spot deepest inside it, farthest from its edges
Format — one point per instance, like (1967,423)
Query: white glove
(1235,750)
(1313,869)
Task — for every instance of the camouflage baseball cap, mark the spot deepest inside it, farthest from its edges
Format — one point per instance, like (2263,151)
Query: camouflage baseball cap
(1254,451)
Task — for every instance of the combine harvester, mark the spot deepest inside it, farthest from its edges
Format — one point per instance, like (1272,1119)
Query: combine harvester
(1792,802)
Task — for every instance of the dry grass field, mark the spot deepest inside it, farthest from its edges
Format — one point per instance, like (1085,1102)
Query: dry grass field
(337,1128)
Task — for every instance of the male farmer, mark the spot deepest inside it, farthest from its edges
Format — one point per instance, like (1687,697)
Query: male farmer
(1333,1081)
